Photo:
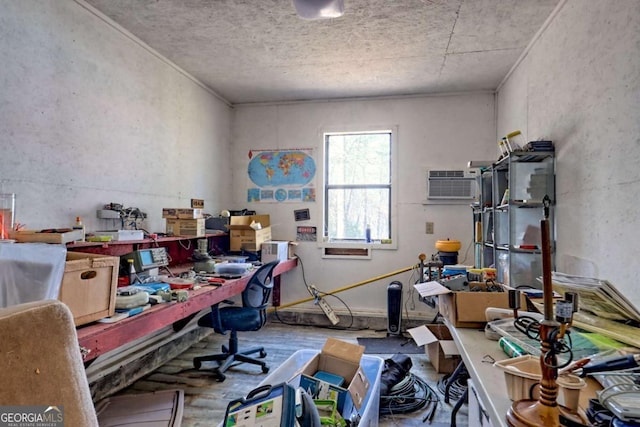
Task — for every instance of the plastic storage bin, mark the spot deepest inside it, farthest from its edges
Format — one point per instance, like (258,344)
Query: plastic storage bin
(30,272)
(372,366)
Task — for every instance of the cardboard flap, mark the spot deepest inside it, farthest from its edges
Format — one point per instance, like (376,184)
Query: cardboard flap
(431,289)
(422,335)
(358,388)
(244,222)
(343,350)
(449,348)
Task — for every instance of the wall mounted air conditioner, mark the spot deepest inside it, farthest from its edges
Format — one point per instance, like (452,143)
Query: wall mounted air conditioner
(451,185)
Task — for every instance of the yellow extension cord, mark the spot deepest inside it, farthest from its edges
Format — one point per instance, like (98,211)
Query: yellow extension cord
(344,288)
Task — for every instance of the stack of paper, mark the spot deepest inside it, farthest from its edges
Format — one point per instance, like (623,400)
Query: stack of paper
(596,296)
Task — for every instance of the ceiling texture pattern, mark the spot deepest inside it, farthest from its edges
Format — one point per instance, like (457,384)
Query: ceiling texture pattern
(252,51)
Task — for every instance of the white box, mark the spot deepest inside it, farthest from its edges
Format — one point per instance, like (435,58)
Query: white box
(274,251)
(118,235)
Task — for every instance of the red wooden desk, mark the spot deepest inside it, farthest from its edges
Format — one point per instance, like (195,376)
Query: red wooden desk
(99,338)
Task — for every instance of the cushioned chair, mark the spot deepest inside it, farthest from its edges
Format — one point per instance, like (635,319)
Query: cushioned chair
(250,317)
(41,361)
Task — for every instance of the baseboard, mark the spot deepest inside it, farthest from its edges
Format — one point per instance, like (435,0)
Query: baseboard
(357,321)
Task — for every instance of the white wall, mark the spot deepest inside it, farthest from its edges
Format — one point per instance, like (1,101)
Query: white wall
(579,86)
(433,132)
(90,116)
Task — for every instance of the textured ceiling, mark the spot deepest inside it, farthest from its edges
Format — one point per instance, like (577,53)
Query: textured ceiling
(260,51)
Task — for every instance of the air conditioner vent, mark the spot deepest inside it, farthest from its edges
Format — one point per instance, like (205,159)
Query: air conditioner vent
(446,174)
(451,185)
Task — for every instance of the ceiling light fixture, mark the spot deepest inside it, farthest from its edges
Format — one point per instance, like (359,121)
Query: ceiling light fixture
(319,9)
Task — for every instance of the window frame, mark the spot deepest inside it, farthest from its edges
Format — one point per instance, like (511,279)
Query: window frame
(323,241)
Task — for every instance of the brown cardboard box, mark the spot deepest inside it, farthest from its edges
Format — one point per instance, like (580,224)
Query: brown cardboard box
(342,359)
(89,286)
(186,227)
(438,346)
(182,213)
(244,237)
(25,236)
(467,309)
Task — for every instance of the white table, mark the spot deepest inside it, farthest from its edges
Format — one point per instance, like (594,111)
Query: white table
(489,381)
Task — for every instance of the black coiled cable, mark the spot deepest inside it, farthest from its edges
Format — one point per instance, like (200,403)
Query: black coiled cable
(409,395)
(457,387)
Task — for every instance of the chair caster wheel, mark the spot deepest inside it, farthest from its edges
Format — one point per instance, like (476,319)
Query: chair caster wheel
(197,364)
(220,377)
(265,369)
(263,354)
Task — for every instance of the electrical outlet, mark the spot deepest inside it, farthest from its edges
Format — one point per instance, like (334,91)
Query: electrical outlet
(429,227)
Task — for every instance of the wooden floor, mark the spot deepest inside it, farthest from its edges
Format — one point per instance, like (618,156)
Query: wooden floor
(206,399)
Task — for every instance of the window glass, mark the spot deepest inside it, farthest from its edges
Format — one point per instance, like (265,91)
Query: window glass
(357,186)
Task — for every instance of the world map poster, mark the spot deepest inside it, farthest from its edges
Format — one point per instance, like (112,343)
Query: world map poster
(281,176)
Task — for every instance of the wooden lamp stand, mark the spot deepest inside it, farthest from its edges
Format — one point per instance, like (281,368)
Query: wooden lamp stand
(545,411)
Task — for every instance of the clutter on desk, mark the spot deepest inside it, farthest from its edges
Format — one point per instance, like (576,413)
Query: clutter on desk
(233,268)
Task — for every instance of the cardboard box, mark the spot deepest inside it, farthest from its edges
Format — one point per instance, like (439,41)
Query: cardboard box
(182,213)
(274,251)
(342,359)
(465,309)
(186,227)
(89,286)
(248,232)
(438,346)
(26,236)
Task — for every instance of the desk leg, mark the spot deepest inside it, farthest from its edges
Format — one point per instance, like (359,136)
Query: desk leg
(275,294)
(458,405)
(452,379)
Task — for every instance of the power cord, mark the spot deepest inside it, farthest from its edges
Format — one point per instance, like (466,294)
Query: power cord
(319,293)
(409,395)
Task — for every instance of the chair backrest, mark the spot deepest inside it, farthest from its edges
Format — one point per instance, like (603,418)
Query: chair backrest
(258,291)
(41,361)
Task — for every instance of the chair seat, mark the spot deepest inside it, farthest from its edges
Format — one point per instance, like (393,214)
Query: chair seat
(234,318)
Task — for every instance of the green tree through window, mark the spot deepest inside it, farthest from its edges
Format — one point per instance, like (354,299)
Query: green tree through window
(357,185)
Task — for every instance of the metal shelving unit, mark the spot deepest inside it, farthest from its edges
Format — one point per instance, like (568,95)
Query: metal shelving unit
(509,212)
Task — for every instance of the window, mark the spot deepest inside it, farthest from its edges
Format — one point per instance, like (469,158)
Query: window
(358,187)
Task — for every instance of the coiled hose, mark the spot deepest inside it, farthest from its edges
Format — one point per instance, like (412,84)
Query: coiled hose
(410,394)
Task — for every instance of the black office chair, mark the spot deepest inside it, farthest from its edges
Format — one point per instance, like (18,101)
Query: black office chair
(250,317)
